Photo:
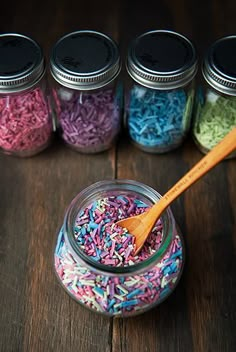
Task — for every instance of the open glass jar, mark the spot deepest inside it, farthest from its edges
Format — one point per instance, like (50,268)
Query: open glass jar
(159,99)
(87,93)
(116,284)
(215,109)
(25,118)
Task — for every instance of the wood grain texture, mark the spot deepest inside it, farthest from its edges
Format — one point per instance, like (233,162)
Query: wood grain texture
(36,313)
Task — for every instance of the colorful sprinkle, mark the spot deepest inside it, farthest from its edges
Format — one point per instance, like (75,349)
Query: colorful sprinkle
(158,120)
(89,121)
(25,124)
(108,243)
(215,116)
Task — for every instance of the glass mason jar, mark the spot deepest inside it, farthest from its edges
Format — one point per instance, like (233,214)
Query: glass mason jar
(159,99)
(88,95)
(215,109)
(118,291)
(25,117)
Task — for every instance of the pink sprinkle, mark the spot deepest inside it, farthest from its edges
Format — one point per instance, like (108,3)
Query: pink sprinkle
(98,219)
(112,248)
(110,262)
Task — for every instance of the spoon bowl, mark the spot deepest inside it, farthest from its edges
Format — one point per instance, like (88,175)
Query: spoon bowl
(141,225)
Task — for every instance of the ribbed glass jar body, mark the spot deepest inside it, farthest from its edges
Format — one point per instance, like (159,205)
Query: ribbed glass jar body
(118,291)
(158,120)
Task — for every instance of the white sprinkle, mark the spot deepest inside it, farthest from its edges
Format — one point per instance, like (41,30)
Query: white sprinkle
(122,289)
(212,97)
(121,298)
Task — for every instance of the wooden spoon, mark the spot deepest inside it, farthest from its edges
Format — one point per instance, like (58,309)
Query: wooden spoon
(141,225)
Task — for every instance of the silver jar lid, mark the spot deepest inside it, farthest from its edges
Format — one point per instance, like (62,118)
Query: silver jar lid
(162,59)
(219,66)
(85,60)
(21,63)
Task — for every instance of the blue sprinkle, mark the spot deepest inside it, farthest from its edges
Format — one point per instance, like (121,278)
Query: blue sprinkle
(97,258)
(177,254)
(91,215)
(129,303)
(98,290)
(111,303)
(122,198)
(83,231)
(167,270)
(142,206)
(93,225)
(134,293)
(94,206)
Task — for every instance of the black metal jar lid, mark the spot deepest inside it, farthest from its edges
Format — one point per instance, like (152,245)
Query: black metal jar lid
(219,66)
(21,63)
(85,60)
(162,59)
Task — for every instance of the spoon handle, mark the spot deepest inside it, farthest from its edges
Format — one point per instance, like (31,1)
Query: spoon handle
(219,152)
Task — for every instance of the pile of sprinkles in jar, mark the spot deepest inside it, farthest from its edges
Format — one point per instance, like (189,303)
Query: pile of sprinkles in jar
(99,237)
(158,118)
(215,117)
(88,120)
(106,243)
(24,122)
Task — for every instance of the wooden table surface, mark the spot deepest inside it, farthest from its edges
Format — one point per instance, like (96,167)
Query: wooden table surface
(36,313)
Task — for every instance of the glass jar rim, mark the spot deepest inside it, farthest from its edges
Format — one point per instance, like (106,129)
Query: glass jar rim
(86,196)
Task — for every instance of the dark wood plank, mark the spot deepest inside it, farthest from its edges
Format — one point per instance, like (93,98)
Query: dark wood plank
(13,254)
(210,276)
